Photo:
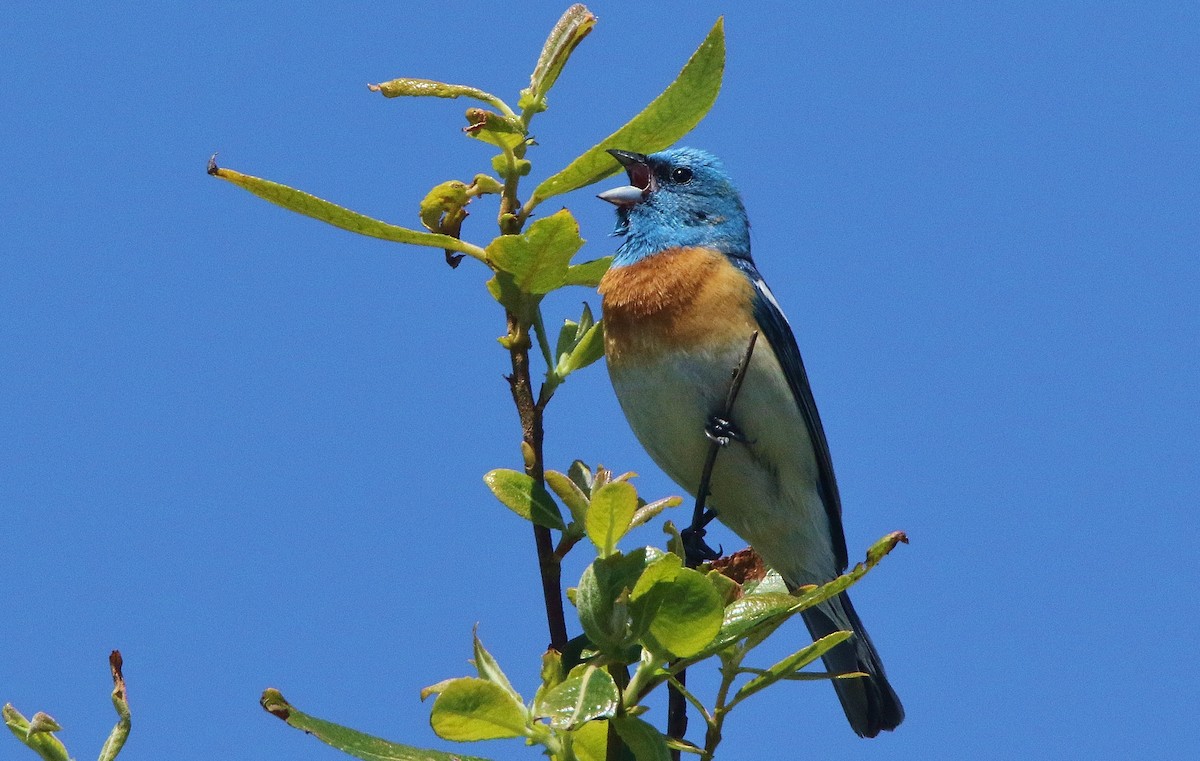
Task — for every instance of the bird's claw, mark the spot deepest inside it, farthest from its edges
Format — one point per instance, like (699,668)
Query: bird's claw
(695,549)
(723,431)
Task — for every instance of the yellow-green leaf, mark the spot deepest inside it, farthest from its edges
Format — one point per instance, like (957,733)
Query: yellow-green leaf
(538,258)
(40,740)
(588,273)
(587,693)
(790,664)
(649,511)
(566,35)
(570,493)
(589,349)
(428,88)
(609,515)
(338,216)
(644,741)
(678,610)
(351,741)
(669,117)
(525,497)
(603,593)
(590,741)
(489,669)
(470,709)
(500,131)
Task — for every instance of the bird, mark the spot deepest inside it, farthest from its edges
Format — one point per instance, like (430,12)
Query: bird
(680,302)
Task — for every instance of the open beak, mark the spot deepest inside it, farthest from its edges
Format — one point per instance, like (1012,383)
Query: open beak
(641,180)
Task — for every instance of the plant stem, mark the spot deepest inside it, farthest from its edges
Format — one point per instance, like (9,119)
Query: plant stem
(533,433)
(615,746)
(677,718)
(510,223)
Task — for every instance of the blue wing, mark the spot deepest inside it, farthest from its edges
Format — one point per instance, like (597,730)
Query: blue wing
(779,334)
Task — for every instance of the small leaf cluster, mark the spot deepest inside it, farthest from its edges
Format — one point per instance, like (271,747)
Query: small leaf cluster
(645,618)
(587,691)
(37,732)
(601,506)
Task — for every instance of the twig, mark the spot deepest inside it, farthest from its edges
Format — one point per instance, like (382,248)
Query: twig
(694,547)
(532,432)
(615,745)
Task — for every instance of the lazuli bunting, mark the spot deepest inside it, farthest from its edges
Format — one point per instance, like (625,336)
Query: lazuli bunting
(680,303)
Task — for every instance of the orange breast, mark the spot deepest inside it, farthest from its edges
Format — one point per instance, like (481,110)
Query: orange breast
(680,299)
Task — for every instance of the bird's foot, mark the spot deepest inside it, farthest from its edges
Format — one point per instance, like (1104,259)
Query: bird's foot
(723,431)
(695,549)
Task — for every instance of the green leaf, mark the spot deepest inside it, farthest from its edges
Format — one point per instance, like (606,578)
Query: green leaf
(470,709)
(444,200)
(809,676)
(643,740)
(726,587)
(588,273)
(412,87)
(881,548)
(484,184)
(609,515)
(570,494)
(490,670)
(538,258)
(43,722)
(679,611)
(590,741)
(505,132)
(350,741)
(581,475)
(573,332)
(436,689)
(875,554)
(791,664)
(567,336)
(552,673)
(771,583)
(669,117)
(35,734)
(602,597)
(589,349)
(648,511)
(743,615)
(525,497)
(587,693)
(566,35)
(579,345)
(338,216)
(760,612)
(505,290)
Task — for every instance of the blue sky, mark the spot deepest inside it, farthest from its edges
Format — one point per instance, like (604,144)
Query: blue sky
(246,448)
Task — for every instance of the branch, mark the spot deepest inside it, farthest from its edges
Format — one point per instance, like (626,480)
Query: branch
(532,433)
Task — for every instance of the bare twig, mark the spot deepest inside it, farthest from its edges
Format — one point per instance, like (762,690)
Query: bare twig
(532,432)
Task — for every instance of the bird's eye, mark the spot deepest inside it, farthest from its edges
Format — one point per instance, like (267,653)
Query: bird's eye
(681,175)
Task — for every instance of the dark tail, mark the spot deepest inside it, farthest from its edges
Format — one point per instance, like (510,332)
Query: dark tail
(870,702)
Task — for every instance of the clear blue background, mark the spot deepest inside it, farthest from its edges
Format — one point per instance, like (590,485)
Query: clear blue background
(245,448)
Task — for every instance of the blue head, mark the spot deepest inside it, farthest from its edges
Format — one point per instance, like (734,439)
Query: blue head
(678,197)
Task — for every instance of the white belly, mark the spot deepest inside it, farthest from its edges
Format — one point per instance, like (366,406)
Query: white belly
(764,490)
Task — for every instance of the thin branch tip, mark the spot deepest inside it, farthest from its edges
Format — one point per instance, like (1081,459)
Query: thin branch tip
(213,169)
